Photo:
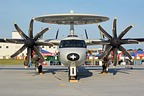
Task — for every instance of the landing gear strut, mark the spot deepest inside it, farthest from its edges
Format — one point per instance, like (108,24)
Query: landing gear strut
(105,66)
(104,69)
(38,66)
(72,74)
(39,69)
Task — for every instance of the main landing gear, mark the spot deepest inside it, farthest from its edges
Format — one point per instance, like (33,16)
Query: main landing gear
(72,74)
(104,69)
(105,65)
(39,69)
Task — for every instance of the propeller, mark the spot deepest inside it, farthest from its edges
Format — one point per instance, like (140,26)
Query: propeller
(115,42)
(30,42)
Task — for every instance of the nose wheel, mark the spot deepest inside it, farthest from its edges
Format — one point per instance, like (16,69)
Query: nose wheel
(72,74)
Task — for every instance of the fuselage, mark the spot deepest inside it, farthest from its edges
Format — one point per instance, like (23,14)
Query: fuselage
(72,51)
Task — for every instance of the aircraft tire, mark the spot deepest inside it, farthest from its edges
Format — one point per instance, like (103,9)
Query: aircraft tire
(40,69)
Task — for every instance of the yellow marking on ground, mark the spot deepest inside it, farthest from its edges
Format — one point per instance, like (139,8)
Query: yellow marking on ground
(62,85)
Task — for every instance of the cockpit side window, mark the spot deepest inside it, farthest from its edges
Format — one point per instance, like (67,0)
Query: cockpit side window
(72,43)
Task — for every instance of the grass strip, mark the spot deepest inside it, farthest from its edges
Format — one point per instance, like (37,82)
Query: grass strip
(11,61)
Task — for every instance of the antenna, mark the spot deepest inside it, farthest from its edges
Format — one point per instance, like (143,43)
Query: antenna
(57,34)
(86,34)
(72,28)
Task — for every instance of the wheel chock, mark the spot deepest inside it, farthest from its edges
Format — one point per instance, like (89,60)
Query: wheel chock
(103,72)
(73,81)
(41,73)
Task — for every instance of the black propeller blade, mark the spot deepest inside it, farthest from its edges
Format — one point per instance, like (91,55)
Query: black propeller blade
(19,51)
(17,41)
(29,42)
(116,42)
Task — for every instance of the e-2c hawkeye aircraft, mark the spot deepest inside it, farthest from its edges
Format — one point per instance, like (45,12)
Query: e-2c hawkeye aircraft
(72,49)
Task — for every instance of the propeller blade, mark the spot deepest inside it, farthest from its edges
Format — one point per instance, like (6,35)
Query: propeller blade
(20,31)
(104,32)
(57,34)
(115,56)
(31,29)
(86,34)
(38,53)
(107,50)
(17,41)
(29,50)
(114,28)
(125,31)
(129,42)
(19,51)
(107,55)
(38,35)
(125,52)
(43,43)
(102,35)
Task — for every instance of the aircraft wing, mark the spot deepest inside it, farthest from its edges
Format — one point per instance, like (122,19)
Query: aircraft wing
(105,42)
(53,41)
(96,42)
(136,39)
(49,42)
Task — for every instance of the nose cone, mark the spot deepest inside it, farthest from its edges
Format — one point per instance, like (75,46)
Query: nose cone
(73,56)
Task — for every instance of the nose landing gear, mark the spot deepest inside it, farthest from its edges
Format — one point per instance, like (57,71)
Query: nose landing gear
(72,74)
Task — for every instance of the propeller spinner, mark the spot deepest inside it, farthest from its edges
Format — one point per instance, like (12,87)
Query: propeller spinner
(116,42)
(29,42)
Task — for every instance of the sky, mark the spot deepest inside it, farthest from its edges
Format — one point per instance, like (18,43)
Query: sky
(128,12)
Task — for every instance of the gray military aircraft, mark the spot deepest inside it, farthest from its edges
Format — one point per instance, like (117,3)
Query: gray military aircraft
(72,49)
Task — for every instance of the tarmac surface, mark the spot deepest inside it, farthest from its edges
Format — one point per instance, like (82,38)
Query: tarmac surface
(121,81)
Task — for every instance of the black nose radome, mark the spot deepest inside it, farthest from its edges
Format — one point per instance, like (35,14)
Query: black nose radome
(73,56)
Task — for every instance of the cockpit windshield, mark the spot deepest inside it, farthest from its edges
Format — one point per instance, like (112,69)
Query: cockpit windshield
(72,43)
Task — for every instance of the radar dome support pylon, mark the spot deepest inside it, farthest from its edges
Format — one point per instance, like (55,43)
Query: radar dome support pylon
(72,29)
